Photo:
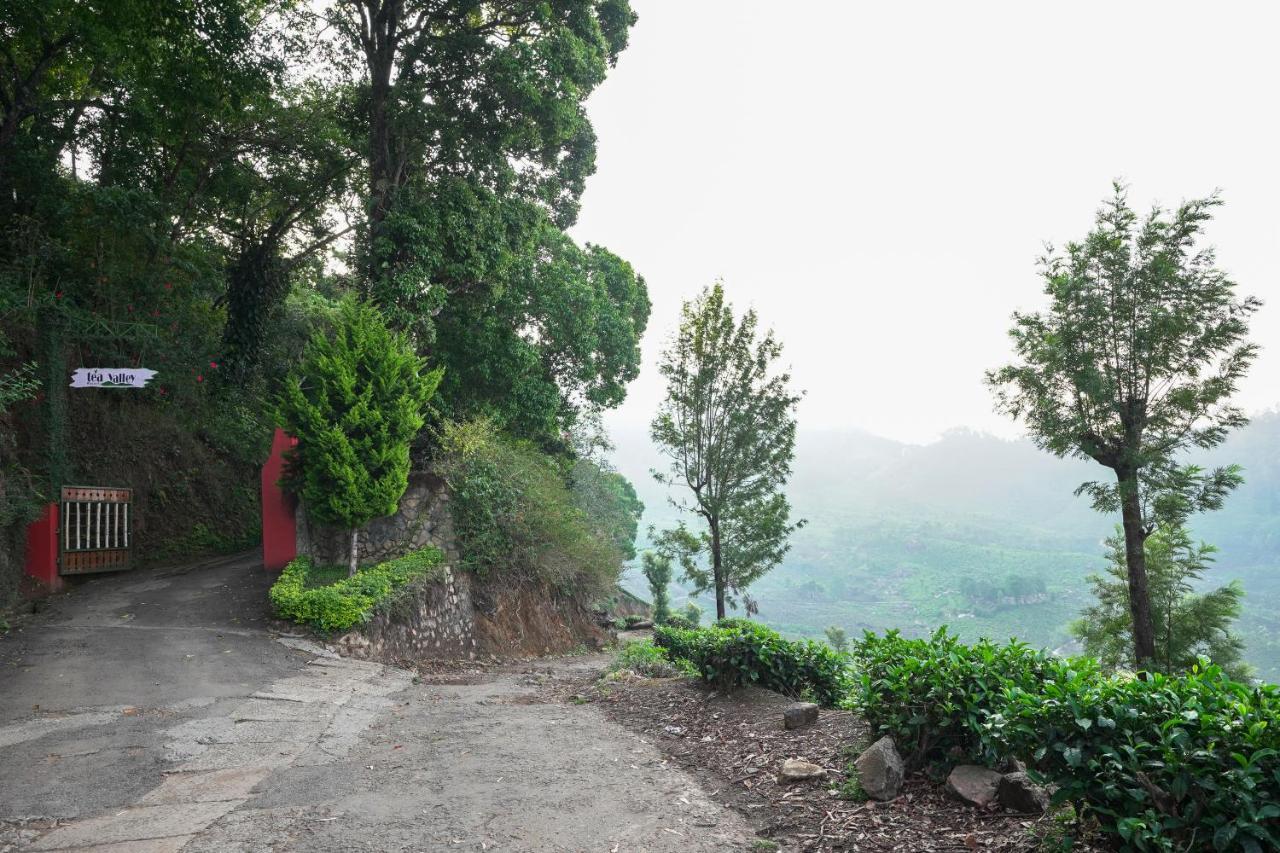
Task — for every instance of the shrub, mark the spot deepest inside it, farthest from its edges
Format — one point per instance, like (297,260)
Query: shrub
(1168,763)
(737,652)
(644,657)
(350,601)
(515,515)
(934,696)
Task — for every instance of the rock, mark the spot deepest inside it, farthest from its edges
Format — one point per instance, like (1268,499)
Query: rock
(800,715)
(881,770)
(799,770)
(974,785)
(1018,793)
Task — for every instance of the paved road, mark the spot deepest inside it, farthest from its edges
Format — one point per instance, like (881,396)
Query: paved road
(158,711)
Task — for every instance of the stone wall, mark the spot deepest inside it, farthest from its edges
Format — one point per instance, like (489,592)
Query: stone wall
(434,620)
(423,519)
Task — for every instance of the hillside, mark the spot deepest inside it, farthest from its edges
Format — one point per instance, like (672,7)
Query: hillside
(980,533)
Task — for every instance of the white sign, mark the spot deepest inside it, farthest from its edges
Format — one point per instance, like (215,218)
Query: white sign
(111,377)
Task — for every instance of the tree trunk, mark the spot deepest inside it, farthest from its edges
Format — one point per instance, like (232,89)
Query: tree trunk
(355,552)
(1135,554)
(717,568)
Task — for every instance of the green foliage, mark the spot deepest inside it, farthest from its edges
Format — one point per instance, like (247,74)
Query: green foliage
(516,516)
(608,501)
(348,601)
(738,652)
(837,638)
(935,696)
(728,427)
(657,571)
(355,404)
(647,659)
(1189,625)
(1163,764)
(1134,362)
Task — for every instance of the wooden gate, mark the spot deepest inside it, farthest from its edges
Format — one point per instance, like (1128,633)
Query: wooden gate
(95,530)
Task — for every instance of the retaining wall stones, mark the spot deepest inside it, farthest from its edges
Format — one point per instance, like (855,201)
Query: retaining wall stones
(434,620)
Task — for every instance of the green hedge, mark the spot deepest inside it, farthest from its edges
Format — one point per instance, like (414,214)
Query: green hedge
(934,696)
(1187,762)
(350,601)
(737,652)
(1163,764)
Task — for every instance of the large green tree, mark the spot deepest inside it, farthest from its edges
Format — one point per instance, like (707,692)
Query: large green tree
(727,426)
(1133,362)
(1188,623)
(476,151)
(355,404)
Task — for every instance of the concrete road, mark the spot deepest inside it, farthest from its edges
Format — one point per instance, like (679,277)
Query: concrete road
(158,711)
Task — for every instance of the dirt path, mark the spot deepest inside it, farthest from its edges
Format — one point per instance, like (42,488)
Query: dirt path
(244,740)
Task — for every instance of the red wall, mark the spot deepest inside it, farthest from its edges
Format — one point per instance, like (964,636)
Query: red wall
(42,549)
(279,528)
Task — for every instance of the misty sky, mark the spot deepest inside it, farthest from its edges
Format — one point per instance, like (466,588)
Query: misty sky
(877,179)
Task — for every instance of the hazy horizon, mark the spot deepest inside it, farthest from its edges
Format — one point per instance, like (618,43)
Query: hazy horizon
(877,181)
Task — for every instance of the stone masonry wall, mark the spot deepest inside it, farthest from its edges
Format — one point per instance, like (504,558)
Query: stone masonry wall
(433,621)
(423,519)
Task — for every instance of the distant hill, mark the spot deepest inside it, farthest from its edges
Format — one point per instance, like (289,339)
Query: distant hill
(977,532)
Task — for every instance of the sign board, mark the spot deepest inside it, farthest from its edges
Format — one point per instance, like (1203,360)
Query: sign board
(111,377)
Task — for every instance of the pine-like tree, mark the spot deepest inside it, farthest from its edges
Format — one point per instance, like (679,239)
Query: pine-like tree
(657,570)
(355,404)
(1188,624)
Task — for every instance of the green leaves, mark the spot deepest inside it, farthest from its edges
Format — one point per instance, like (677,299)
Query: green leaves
(738,652)
(349,601)
(355,403)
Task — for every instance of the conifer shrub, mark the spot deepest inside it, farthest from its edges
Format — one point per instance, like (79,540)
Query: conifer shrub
(301,595)
(738,652)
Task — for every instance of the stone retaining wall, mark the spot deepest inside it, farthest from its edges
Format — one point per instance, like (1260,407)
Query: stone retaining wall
(434,620)
(423,519)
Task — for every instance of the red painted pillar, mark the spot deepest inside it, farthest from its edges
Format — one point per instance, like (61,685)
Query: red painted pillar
(279,526)
(42,549)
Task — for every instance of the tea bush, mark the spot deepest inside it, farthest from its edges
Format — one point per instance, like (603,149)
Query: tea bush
(349,601)
(737,652)
(644,657)
(1169,763)
(935,696)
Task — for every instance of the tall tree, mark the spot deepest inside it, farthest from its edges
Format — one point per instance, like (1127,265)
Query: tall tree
(1187,623)
(728,427)
(1135,361)
(657,571)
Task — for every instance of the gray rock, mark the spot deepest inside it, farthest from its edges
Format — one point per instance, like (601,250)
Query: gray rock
(1018,793)
(974,785)
(881,770)
(799,716)
(799,770)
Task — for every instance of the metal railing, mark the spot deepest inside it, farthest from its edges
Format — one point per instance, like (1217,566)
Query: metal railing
(95,529)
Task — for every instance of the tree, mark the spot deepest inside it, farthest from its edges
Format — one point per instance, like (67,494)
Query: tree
(355,404)
(657,570)
(1135,361)
(728,427)
(837,638)
(1188,624)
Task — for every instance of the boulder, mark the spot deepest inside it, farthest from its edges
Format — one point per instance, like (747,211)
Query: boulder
(1018,793)
(974,785)
(800,715)
(881,770)
(799,770)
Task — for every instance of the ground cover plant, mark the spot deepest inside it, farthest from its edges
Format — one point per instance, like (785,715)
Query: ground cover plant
(647,659)
(737,652)
(1159,763)
(327,599)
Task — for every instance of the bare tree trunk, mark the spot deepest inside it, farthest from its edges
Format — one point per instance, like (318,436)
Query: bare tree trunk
(1135,553)
(717,568)
(355,552)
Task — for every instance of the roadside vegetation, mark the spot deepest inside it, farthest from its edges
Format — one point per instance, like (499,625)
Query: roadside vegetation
(330,599)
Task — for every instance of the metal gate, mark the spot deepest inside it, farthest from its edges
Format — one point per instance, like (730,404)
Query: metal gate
(95,530)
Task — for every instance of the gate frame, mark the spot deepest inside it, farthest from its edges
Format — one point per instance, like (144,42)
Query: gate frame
(112,528)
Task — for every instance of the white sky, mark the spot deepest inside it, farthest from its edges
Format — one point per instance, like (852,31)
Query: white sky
(877,179)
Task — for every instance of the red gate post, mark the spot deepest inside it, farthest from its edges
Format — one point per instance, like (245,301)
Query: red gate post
(41,561)
(279,526)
